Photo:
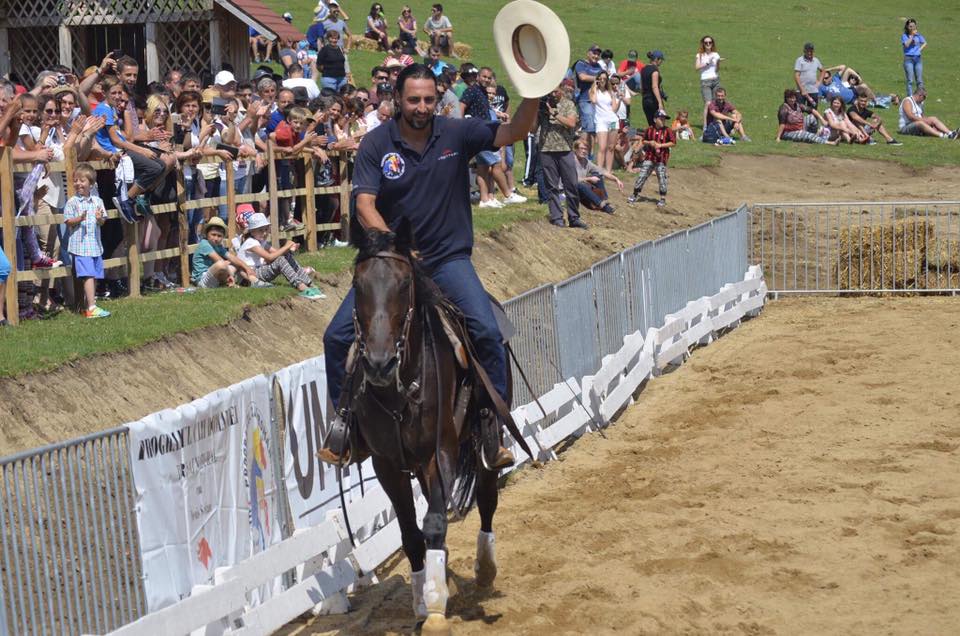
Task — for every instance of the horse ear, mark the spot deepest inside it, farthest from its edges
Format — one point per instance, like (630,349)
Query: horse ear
(404,236)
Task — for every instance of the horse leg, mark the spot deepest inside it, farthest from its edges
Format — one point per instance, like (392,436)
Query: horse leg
(397,486)
(439,475)
(485,567)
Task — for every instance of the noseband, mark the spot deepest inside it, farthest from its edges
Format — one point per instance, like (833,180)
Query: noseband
(401,344)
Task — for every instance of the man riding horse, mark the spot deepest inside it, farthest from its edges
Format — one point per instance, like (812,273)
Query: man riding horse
(414,167)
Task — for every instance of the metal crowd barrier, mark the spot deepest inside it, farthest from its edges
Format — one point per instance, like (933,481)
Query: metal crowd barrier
(71,558)
(854,248)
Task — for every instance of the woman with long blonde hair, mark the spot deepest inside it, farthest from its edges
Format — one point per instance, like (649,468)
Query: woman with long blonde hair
(707,63)
(606,103)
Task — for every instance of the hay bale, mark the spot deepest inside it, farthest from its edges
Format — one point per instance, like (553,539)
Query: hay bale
(888,256)
(364,44)
(462,50)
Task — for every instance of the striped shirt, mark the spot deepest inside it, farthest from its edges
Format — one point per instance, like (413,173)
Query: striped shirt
(663,135)
(85,237)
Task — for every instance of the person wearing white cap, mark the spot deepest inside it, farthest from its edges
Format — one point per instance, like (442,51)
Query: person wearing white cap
(226,83)
(268,262)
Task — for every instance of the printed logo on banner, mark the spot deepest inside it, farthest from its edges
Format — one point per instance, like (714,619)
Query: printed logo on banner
(256,465)
(204,553)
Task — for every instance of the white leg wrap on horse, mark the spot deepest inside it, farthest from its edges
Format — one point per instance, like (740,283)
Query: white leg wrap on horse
(417,579)
(485,567)
(435,586)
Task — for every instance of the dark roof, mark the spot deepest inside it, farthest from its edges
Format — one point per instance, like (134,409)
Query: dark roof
(262,18)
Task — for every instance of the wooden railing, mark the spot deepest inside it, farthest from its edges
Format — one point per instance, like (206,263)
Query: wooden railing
(133,259)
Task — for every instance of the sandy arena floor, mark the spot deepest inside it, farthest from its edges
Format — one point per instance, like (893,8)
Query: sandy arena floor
(799,476)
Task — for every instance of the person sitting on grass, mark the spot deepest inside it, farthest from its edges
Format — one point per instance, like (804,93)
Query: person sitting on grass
(864,119)
(913,122)
(725,115)
(439,29)
(792,121)
(593,192)
(681,125)
(268,262)
(213,264)
(840,125)
(83,214)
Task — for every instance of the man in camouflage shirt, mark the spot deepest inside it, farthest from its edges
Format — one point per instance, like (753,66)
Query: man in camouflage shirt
(558,125)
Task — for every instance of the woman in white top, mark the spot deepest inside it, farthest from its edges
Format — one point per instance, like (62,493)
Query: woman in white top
(606,104)
(840,125)
(707,63)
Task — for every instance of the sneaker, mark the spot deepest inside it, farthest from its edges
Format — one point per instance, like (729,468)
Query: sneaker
(491,203)
(609,209)
(337,243)
(662,203)
(45,262)
(261,284)
(726,141)
(578,223)
(142,205)
(953,134)
(894,142)
(515,198)
(312,293)
(163,281)
(4,323)
(292,224)
(126,209)
(633,198)
(558,223)
(745,138)
(96,312)
(871,142)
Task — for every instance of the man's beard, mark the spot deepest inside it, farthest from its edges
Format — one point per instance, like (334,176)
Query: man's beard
(416,124)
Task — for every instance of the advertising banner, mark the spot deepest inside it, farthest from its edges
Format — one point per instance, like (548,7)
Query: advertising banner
(206,493)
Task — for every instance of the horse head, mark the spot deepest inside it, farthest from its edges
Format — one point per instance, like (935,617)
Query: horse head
(385,299)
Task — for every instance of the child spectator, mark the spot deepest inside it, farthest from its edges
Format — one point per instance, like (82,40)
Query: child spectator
(681,125)
(268,262)
(213,263)
(83,215)
(657,141)
(290,139)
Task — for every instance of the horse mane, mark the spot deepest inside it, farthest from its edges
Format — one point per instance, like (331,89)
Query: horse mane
(369,243)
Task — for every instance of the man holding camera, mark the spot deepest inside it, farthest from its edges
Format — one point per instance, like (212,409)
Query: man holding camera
(558,124)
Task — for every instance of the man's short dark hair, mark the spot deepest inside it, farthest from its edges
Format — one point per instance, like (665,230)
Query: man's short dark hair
(189,77)
(294,68)
(156,88)
(414,71)
(377,69)
(300,97)
(124,62)
(438,7)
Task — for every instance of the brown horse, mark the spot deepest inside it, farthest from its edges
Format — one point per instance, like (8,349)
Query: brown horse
(417,410)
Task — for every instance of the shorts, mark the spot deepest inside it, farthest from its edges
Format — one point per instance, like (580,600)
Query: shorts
(708,87)
(508,155)
(488,158)
(606,125)
(912,128)
(88,267)
(4,267)
(207,281)
(587,117)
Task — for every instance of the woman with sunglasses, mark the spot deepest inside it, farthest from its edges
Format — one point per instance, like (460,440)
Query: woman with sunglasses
(377,28)
(408,32)
(707,63)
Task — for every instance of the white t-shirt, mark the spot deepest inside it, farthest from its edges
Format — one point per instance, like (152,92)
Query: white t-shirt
(621,92)
(708,72)
(28,131)
(609,67)
(917,111)
(604,116)
(442,23)
(313,90)
(245,253)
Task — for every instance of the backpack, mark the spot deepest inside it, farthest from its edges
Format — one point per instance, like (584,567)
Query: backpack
(712,133)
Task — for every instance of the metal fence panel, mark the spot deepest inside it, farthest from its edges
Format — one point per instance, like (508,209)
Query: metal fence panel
(71,552)
(699,266)
(731,233)
(612,307)
(535,343)
(636,261)
(844,248)
(668,278)
(577,330)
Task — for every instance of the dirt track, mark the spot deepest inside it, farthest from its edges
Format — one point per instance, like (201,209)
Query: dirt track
(796,477)
(50,407)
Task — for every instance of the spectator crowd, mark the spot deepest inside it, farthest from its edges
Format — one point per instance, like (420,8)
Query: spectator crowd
(194,123)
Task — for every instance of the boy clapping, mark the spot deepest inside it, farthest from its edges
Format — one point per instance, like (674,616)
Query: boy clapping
(84,214)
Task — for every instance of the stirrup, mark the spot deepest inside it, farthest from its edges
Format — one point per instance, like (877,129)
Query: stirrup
(492,453)
(327,456)
(336,438)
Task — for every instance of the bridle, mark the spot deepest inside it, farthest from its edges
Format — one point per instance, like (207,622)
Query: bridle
(401,343)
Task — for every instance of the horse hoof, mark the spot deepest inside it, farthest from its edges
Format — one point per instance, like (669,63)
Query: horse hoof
(436,625)
(486,573)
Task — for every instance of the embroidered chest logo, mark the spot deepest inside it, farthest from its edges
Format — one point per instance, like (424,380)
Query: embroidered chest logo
(392,165)
(447,154)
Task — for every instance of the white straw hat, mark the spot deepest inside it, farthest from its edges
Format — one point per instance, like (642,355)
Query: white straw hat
(533,47)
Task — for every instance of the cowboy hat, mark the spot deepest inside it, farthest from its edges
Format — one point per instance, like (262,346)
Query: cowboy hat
(533,47)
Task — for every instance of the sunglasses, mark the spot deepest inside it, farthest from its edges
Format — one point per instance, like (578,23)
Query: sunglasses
(161,111)
(705,42)
(50,111)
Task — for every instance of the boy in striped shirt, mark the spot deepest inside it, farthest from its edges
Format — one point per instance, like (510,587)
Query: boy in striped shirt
(84,214)
(656,141)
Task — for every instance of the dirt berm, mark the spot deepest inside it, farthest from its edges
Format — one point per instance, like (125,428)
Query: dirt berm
(104,391)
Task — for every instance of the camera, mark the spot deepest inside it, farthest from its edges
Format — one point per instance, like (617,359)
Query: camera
(61,80)
(219,106)
(547,102)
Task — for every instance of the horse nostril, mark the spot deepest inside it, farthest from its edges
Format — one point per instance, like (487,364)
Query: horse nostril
(379,367)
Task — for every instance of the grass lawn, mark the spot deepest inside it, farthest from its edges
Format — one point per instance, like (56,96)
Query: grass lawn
(40,345)
(760,40)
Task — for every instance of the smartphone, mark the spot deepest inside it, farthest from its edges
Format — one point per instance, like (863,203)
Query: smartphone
(175,118)
(219,106)
(179,134)
(116,54)
(233,150)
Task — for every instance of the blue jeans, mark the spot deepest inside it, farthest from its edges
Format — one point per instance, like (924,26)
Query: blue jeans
(332,82)
(460,283)
(913,69)
(588,197)
(587,116)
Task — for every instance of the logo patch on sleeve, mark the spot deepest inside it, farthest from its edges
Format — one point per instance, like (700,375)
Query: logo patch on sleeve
(392,165)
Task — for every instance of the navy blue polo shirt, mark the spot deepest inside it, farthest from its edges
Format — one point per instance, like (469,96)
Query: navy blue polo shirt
(431,190)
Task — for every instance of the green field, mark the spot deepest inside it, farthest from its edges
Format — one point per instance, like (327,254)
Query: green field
(760,40)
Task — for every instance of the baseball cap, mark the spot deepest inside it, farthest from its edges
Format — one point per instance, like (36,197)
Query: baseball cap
(223,78)
(656,54)
(468,69)
(333,3)
(632,55)
(288,16)
(808,46)
(595,48)
(244,212)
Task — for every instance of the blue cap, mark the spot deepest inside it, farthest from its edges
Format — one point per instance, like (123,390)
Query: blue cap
(656,54)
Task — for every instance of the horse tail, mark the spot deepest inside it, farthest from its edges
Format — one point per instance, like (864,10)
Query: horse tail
(465,485)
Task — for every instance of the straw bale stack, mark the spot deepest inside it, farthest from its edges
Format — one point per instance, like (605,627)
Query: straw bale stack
(462,50)
(364,44)
(888,256)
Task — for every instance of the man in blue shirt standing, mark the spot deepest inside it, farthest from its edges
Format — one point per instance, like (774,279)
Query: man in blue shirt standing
(586,72)
(414,167)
